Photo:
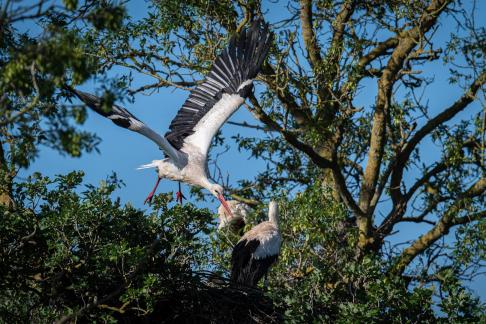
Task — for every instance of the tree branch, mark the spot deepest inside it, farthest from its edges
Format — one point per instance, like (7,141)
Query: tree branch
(5,181)
(250,202)
(469,218)
(399,208)
(431,125)
(438,168)
(442,227)
(377,51)
(348,199)
(416,220)
(301,116)
(260,114)
(339,23)
(246,125)
(329,107)
(407,40)
(163,83)
(308,35)
(315,157)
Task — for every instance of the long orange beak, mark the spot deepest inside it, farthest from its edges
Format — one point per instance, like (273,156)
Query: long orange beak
(225,205)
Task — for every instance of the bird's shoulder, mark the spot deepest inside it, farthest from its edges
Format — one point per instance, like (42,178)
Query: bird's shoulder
(263,229)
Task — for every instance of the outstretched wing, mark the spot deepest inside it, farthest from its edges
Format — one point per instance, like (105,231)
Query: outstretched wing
(123,118)
(224,89)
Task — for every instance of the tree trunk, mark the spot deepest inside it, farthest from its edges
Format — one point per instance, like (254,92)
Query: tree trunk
(327,176)
(5,182)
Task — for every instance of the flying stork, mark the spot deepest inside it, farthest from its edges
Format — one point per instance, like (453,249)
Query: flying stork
(207,108)
(257,250)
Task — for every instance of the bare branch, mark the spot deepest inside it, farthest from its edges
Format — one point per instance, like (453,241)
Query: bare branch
(407,41)
(378,51)
(442,227)
(163,83)
(403,157)
(313,49)
(438,168)
(301,116)
(246,125)
(417,220)
(260,114)
(250,202)
(469,218)
(319,160)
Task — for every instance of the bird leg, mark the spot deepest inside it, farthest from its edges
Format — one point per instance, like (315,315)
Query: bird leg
(180,195)
(151,194)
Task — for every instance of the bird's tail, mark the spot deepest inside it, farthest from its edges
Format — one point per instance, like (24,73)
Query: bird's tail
(153,164)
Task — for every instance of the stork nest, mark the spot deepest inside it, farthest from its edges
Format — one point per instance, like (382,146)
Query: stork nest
(206,297)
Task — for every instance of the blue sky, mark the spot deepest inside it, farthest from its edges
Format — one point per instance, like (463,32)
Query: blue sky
(122,151)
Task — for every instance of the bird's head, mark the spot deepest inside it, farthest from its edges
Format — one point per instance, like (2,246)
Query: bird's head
(218,192)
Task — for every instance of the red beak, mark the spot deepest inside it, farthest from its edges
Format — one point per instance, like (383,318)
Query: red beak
(225,205)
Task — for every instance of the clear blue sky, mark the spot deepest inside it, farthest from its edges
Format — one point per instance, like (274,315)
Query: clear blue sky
(123,151)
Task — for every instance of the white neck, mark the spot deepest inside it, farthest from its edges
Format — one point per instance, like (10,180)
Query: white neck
(273,212)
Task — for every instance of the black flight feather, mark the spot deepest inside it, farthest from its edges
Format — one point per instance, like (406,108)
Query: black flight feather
(118,115)
(239,62)
(245,269)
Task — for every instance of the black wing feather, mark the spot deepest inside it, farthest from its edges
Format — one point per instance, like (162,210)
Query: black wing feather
(240,259)
(259,268)
(118,115)
(246,270)
(239,62)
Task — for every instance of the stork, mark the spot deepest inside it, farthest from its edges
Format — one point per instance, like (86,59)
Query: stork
(236,220)
(209,105)
(257,250)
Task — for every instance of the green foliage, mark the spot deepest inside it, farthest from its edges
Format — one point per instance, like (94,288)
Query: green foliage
(460,306)
(74,252)
(65,246)
(318,278)
(34,69)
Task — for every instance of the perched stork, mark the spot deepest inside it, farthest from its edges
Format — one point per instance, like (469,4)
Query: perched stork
(207,108)
(257,250)
(236,220)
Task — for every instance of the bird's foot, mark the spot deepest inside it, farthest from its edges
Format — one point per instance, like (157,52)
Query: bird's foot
(179,197)
(149,199)
(152,193)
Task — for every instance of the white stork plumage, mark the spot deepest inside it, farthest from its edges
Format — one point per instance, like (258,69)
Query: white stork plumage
(207,108)
(257,250)
(237,219)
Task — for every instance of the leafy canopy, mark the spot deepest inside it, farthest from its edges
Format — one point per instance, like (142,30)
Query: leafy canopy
(348,172)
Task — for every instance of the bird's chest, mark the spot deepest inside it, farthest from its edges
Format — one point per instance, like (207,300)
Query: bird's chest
(269,245)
